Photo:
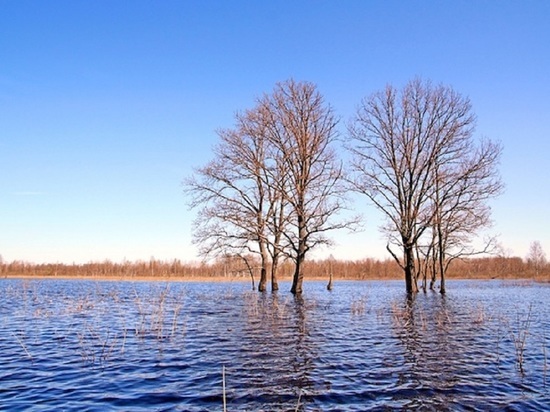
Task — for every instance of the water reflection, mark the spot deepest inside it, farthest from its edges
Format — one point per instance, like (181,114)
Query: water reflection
(364,346)
(275,364)
(429,354)
(451,354)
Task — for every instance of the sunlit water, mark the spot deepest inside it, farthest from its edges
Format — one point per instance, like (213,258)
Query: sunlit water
(96,346)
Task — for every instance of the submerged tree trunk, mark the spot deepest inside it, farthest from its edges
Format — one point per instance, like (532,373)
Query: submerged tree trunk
(410,278)
(442,273)
(298,278)
(432,281)
(274,267)
(262,286)
(263,279)
(441,258)
(300,258)
(330,267)
(422,269)
(250,271)
(253,284)
(329,286)
(300,255)
(407,265)
(442,289)
(433,270)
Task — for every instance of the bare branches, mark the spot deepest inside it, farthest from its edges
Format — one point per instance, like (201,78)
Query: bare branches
(415,159)
(536,258)
(235,193)
(302,131)
(275,183)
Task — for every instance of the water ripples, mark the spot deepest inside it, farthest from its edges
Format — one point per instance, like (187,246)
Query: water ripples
(85,345)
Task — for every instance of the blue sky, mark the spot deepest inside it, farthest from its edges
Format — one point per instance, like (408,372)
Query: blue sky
(106,106)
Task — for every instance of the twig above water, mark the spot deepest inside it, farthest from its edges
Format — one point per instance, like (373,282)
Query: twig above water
(223,389)
(23,346)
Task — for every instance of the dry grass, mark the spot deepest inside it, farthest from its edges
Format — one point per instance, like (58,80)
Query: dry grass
(519,334)
(359,306)
(22,344)
(479,314)
(156,313)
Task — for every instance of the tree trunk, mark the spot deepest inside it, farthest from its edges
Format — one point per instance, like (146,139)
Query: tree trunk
(329,286)
(298,277)
(300,257)
(422,269)
(410,280)
(274,267)
(442,289)
(441,259)
(263,279)
(298,272)
(434,272)
(262,286)
(252,280)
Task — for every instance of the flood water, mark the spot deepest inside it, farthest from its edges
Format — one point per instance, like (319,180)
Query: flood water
(136,346)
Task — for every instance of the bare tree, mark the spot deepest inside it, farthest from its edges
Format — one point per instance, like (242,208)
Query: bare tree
(235,194)
(536,257)
(278,219)
(302,129)
(464,180)
(412,158)
(275,183)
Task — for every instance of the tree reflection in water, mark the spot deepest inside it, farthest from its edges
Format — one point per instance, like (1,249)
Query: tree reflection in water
(364,346)
(445,352)
(277,357)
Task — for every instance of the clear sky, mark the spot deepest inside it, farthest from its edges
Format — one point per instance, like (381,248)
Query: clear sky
(106,106)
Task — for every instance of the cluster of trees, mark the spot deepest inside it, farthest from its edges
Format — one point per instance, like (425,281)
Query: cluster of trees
(276,186)
(415,159)
(231,267)
(125,269)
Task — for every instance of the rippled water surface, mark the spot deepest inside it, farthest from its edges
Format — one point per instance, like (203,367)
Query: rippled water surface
(87,345)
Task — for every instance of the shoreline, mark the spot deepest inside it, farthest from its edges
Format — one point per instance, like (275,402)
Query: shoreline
(238,279)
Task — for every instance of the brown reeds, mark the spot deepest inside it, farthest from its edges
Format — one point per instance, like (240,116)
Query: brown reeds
(22,344)
(223,390)
(519,338)
(359,306)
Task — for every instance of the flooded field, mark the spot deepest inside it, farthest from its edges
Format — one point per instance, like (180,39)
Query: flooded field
(96,346)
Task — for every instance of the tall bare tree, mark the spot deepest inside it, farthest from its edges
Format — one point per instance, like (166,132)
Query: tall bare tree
(235,195)
(275,184)
(464,180)
(302,129)
(412,155)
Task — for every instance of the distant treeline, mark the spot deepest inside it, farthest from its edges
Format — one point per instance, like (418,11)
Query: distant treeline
(484,268)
